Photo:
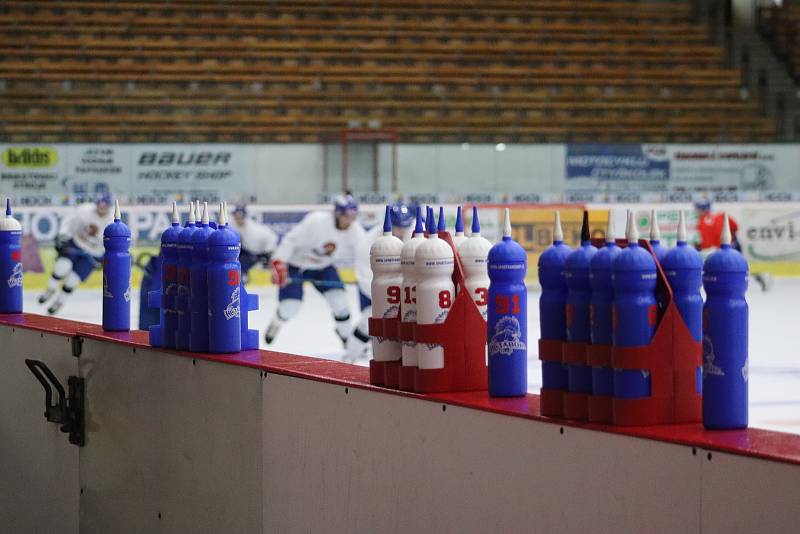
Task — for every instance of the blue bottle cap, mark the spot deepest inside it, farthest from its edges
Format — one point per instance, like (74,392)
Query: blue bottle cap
(476,223)
(419,229)
(441,227)
(9,224)
(117,228)
(459,221)
(633,257)
(201,234)
(682,256)
(170,235)
(579,259)
(655,231)
(507,250)
(556,254)
(430,224)
(387,221)
(726,259)
(223,236)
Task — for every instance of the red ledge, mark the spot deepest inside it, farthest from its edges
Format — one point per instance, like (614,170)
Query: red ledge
(753,442)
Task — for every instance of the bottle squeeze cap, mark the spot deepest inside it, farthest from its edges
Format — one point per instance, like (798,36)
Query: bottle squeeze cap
(476,223)
(655,231)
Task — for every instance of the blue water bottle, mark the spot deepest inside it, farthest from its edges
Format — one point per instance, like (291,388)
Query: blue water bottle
(602,303)
(683,268)
(552,309)
(198,286)
(163,335)
(725,318)
(247,302)
(10,263)
(635,311)
(508,317)
(579,295)
(224,275)
(655,237)
(117,275)
(184,265)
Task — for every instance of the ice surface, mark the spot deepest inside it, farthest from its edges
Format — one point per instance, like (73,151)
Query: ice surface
(774,354)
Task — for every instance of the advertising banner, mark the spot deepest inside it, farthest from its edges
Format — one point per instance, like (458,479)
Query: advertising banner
(771,235)
(725,170)
(597,165)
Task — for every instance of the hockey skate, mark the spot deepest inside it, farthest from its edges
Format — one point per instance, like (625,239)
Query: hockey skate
(47,295)
(272,331)
(55,307)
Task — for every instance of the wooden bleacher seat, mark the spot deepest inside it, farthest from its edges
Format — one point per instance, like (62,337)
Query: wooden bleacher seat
(536,70)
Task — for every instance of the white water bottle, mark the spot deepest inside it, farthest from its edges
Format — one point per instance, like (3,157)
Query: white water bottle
(408,309)
(387,277)
(434,261)
(473,253)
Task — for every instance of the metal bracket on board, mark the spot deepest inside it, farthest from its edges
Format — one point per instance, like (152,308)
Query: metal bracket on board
(77,346)
(68,410)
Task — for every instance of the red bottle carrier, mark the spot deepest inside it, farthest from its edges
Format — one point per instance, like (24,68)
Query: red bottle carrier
(576,405)
(600,406)
(462,334)
(407,372)
(384,373)
(672,357)
(551,401)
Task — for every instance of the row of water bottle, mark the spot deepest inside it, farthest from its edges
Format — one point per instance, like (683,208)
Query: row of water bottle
(608,296)
(414,281)
(202,294)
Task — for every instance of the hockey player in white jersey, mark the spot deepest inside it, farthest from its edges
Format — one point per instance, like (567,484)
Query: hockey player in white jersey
(258,240)
(358,346)
(79,245)
(309,252)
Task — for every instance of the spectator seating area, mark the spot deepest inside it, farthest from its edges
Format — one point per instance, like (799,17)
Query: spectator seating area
(303,70)
(780,24)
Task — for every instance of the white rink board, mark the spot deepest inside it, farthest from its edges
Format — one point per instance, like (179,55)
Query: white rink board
(39,489)
(214,447)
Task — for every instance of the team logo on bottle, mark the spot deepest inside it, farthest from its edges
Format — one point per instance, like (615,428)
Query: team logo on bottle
(106,291)
(232,309)
(708,357)
(15,280)
(506,336)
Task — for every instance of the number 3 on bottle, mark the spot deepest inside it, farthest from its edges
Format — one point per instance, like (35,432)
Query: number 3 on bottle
(483,293)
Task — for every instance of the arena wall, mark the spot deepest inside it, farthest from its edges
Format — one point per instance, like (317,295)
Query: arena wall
(51,174)
(268,442)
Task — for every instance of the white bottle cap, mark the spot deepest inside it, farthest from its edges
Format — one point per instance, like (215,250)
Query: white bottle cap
(681,227)
(632,234)
(558,233)
(191,212)
(223,219)
(610,228)
(175,217)
(205,214)
(117,214)
(655,231)
(507,225)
